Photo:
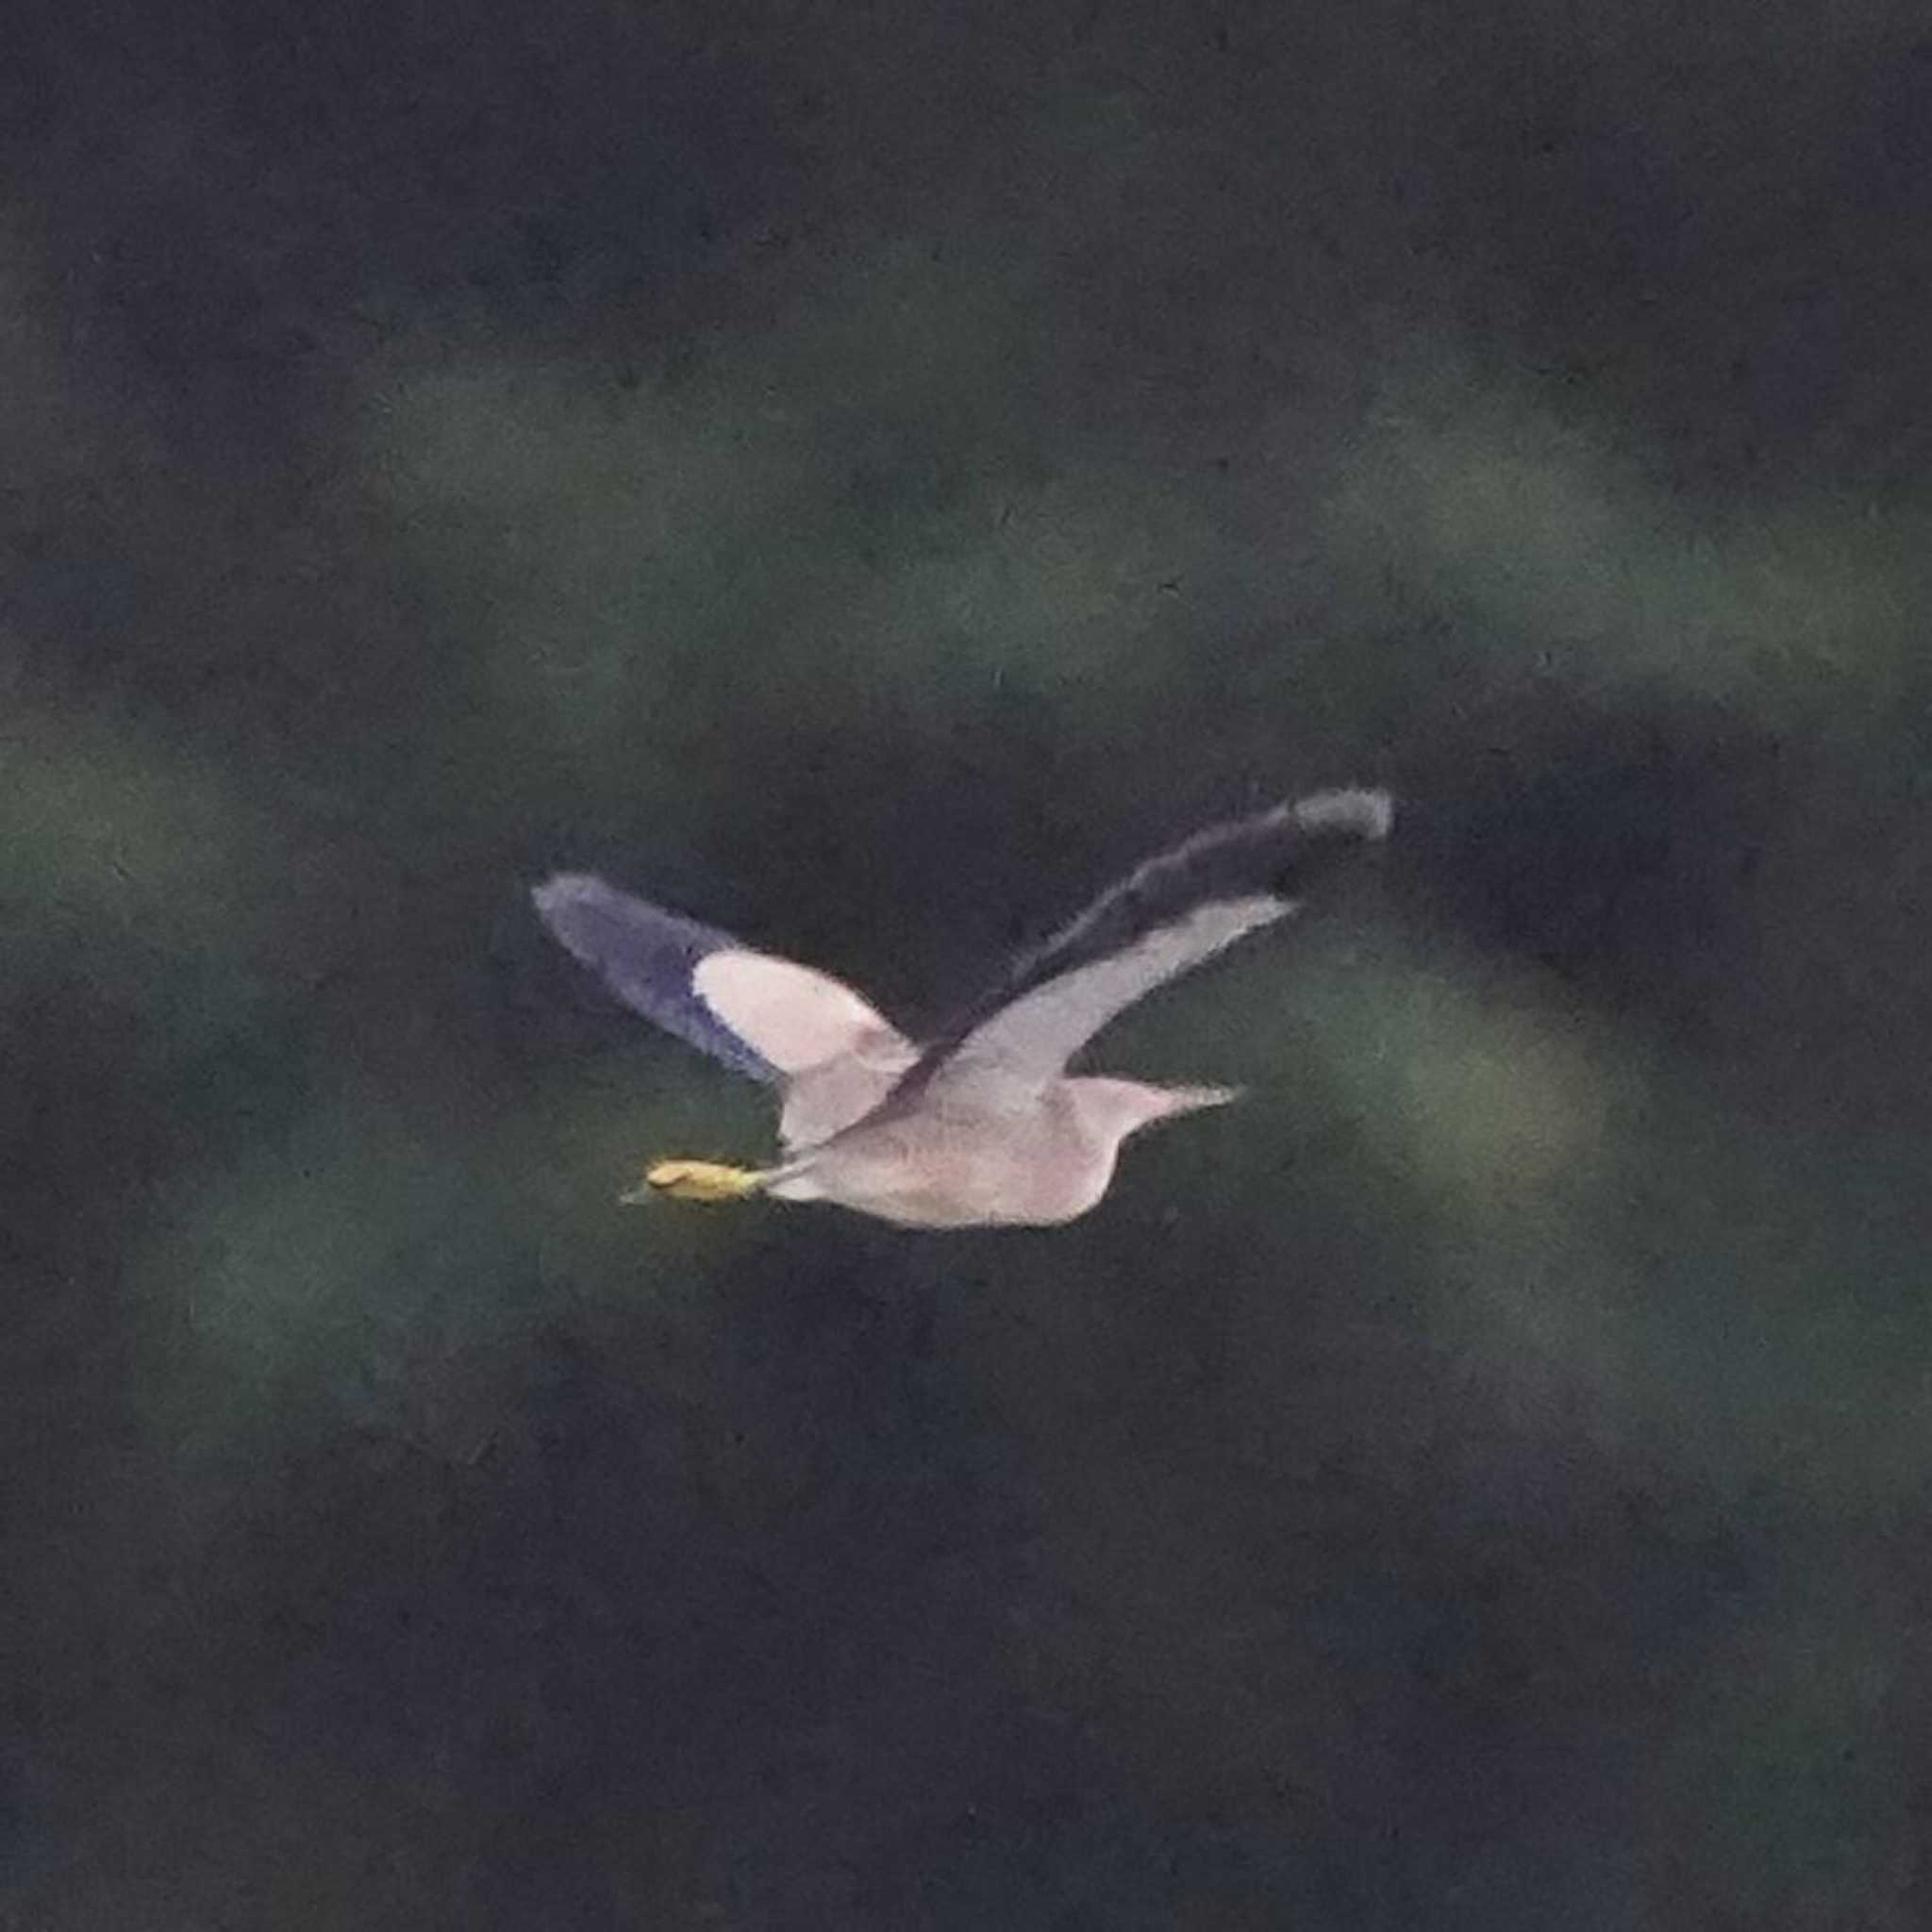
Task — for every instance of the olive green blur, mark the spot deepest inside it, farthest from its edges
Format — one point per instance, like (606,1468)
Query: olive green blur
(866,477)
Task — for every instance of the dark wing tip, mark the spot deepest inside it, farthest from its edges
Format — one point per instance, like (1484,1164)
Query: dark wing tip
(648,956)
(1367,812)
(562,890)
(570,905)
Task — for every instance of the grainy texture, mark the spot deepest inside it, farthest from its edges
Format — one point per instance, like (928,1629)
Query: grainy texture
(867,473)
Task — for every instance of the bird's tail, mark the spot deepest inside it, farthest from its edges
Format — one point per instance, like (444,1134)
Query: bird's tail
(1189,1099)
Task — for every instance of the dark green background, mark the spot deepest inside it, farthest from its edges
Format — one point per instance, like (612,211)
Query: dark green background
(865,474)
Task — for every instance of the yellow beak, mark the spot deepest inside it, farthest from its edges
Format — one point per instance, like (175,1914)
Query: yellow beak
(697,1180)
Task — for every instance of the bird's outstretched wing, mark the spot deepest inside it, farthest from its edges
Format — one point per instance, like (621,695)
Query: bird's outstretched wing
(1170,915)
(765,1016)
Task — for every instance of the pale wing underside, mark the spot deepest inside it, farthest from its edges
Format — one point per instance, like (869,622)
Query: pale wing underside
(1168,916)
(764,1016)
(1038,1033)
(826,1100)
(795,1016)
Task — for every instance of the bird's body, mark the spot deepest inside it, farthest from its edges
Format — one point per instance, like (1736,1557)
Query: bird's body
(1032,1157)
(983,1126)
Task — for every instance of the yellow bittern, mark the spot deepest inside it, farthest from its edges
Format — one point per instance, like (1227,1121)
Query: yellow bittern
(983,1125)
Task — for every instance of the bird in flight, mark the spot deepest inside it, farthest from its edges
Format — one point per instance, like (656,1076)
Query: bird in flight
(982,1126)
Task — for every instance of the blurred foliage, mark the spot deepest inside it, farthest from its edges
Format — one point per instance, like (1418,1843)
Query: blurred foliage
(864,478)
